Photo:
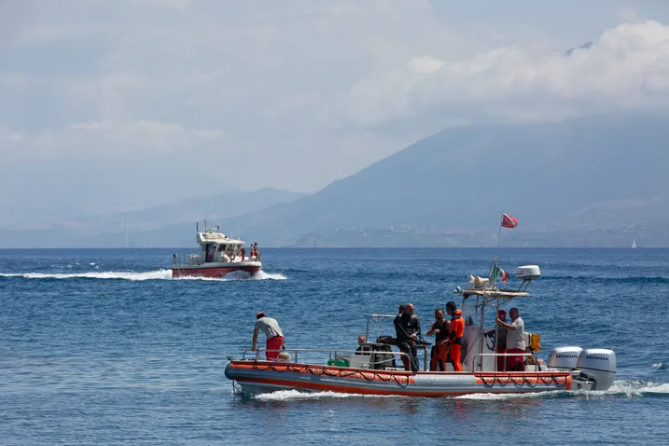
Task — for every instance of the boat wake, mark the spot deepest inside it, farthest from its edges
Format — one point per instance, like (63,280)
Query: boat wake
(161,274)
(295,395)
(632,387)
(628,388)
(624,388)
(260,275)
(239,275)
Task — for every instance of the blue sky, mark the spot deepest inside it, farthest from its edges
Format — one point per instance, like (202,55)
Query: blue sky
(110,106)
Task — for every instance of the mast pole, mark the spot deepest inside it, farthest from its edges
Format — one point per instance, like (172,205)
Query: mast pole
(499,234)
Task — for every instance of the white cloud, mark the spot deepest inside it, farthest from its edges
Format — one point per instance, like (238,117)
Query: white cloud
(175,4)
(626,67)
(9,136)
(116,138)
(306,91)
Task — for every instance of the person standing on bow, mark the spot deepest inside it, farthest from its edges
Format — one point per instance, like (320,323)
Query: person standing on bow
(515,341)
(439,351)
(408,331)
(275,340)
(456,331)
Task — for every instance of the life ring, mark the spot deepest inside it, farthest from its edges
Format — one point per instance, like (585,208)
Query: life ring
(231,255)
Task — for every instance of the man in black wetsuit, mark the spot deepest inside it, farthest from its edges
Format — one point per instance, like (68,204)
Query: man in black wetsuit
(396,323)
(408,331)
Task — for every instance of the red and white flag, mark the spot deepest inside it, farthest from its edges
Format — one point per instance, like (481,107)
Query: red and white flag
(508,221)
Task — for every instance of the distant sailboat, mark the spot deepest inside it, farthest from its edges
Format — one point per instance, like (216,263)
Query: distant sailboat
(634,244)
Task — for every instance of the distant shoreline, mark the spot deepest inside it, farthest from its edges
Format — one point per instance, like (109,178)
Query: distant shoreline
(357,248)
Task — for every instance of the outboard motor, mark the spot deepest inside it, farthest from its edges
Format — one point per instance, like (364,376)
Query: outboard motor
(599,365)
(564,358)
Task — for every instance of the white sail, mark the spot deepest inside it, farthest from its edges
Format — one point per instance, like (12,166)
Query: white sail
(634,244)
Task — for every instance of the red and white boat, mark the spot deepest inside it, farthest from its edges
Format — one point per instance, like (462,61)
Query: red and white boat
(219,255)
(374,370)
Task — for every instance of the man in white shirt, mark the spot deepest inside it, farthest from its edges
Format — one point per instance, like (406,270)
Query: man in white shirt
(275,341)
(515,341)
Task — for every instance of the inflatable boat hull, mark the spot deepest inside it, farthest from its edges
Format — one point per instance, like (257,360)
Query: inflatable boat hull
(262,376)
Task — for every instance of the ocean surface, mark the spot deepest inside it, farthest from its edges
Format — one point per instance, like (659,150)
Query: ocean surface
(100,347)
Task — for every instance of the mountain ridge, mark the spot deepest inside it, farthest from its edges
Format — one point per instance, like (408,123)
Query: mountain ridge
(592,181)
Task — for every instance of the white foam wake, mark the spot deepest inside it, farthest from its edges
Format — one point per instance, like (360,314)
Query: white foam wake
(239,275)
(509,396)
(161,274)
(295,395)
(629,388)
(260,275)
(637,388)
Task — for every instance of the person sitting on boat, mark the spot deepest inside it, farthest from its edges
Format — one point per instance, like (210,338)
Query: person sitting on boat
(408,331)
(499,334)
(275,340)
(361,340)
(439,328)
(515,341)
(456,331)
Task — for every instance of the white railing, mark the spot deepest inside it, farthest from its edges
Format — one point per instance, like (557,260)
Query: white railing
(188,259)
(356,359)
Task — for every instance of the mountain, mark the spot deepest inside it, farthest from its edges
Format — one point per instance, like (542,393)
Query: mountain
(462,178)
(221,206)
(166,225)
(594,181)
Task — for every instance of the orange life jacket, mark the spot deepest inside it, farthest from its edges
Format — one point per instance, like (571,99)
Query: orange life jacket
(457,327)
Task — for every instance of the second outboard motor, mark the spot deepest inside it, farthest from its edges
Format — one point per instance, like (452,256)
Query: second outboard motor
(599,365)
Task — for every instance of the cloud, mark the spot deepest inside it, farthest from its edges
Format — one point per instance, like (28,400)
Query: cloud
(114,139)
(626,67)
(174,4)
(305,91)
(9,136)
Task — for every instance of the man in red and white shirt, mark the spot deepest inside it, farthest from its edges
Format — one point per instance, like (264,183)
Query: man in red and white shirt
(275,341)
(515,341)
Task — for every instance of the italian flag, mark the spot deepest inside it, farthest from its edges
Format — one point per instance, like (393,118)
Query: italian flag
(499,274)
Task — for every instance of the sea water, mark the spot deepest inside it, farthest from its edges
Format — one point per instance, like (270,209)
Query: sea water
(101,347)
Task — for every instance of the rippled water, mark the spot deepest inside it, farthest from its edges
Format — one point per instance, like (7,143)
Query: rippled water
(100,347)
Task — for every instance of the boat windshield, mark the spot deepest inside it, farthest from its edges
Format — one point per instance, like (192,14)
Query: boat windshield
(470,314)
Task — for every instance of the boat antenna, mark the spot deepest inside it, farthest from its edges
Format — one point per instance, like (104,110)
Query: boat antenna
(213,211)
